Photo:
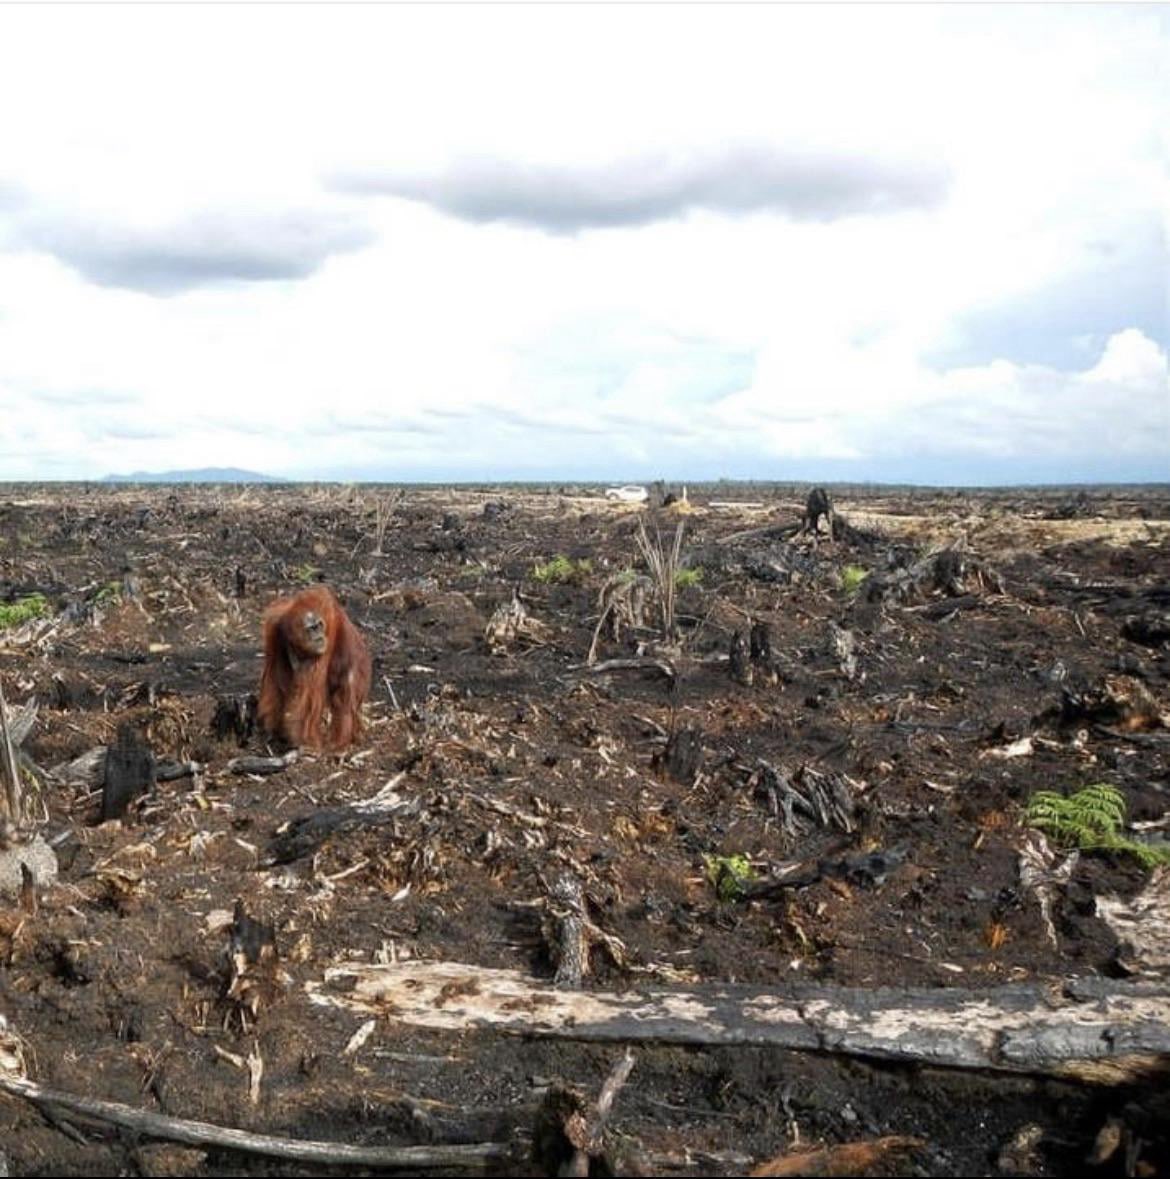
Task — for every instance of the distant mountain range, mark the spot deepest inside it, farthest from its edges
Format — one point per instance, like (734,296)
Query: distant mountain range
(203,475)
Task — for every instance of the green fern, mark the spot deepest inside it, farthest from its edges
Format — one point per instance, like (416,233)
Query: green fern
(562,569)
(1090,818)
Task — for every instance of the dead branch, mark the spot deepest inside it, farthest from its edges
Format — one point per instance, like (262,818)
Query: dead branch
(659,665)
(305,834)
(475,1155)
(769,531)
(570,1130)
(261,765)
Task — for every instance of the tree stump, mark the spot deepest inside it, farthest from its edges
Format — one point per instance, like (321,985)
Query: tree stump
(235,716)
(683,756)
(818,504)
(760,644)
(130,772)
(739,664)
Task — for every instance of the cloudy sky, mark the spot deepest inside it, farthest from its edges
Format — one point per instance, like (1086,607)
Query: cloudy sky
(434,242)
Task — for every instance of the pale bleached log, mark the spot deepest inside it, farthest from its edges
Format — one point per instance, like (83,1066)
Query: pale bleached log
(1094,1030)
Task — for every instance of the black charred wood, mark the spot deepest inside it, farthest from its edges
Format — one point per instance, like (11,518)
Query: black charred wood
(130,772)
(683,756)
(740,665)
(760,643)
(235,716)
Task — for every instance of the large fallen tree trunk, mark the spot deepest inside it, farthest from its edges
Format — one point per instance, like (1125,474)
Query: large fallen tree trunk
(1092,1030)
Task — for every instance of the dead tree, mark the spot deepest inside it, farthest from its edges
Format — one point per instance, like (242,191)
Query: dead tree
(623,607)
(255,978)
(571,934)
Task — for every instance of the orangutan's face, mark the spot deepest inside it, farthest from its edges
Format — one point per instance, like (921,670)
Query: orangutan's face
(312,639)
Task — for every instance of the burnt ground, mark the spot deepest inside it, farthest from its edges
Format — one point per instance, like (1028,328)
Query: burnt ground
(117,984)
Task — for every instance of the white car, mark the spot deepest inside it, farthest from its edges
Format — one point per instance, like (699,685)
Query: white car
(632,493)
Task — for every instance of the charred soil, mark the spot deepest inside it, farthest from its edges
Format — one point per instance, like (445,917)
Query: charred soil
(842,802)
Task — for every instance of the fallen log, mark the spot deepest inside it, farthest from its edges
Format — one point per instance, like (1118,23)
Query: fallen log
(845,1158)
(1092,1030)
(659,665)
(472,1155)
(262,765)
(303,835)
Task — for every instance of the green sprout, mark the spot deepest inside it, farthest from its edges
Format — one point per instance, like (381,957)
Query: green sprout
(561,570)
(729,875)
(686,578)
(851,578)
(110,594)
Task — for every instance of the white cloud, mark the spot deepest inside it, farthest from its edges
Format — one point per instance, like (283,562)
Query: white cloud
(204,247)
(826,234)
(802,183)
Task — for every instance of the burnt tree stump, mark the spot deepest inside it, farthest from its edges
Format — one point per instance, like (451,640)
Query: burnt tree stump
(760,643)
(570,943)
(235,716)
(738,662)
(130,772)
(255,978)
(682,758)
(818,504)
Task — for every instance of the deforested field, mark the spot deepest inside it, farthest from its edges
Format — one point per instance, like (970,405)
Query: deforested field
(680,840)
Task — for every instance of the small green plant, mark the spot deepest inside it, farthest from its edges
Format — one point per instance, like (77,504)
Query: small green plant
(110,594)
(663,561)
(14,613)
(686,578)
(561,570)
(851,578)
(1090,818)
(729,875)
(306,573)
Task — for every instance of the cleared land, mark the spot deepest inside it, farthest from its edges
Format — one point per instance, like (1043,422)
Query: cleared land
(821,834)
